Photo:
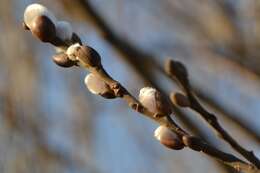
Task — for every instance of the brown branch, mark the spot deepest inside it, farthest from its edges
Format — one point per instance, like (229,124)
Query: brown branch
(177,71)
(228,115)
(197,131)
(193,143)
(135,57)
(88,58)
(93,64)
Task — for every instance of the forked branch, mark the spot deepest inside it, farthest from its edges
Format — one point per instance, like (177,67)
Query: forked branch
(71,52)
(177,71)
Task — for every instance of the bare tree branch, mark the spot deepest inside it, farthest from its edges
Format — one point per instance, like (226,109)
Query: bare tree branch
(89,59)
(228,114)
(178,72)
(137,58)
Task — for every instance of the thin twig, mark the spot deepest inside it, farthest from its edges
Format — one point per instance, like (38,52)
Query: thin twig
(177,71)
(233,119)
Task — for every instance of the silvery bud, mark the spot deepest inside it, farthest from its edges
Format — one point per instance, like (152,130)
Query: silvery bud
(97,86)
(168,138)
(36,10)
(64,30)
(41,22)
(154,102)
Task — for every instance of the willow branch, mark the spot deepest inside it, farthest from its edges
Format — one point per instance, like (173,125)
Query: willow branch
(193,143)
(89,59)
(233,119)
(137,58)
(109,35)
(177,71)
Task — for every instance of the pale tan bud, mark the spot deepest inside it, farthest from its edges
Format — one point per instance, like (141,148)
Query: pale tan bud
(64,30)
(97,86)
(180,100)
(168,138)
(154,101)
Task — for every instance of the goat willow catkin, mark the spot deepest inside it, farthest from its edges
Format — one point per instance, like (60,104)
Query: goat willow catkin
(154,102)
(35,10)
(41,22)
(97,86)
(168,138)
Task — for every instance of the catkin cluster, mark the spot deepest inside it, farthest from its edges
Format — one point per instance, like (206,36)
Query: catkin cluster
(70,52)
